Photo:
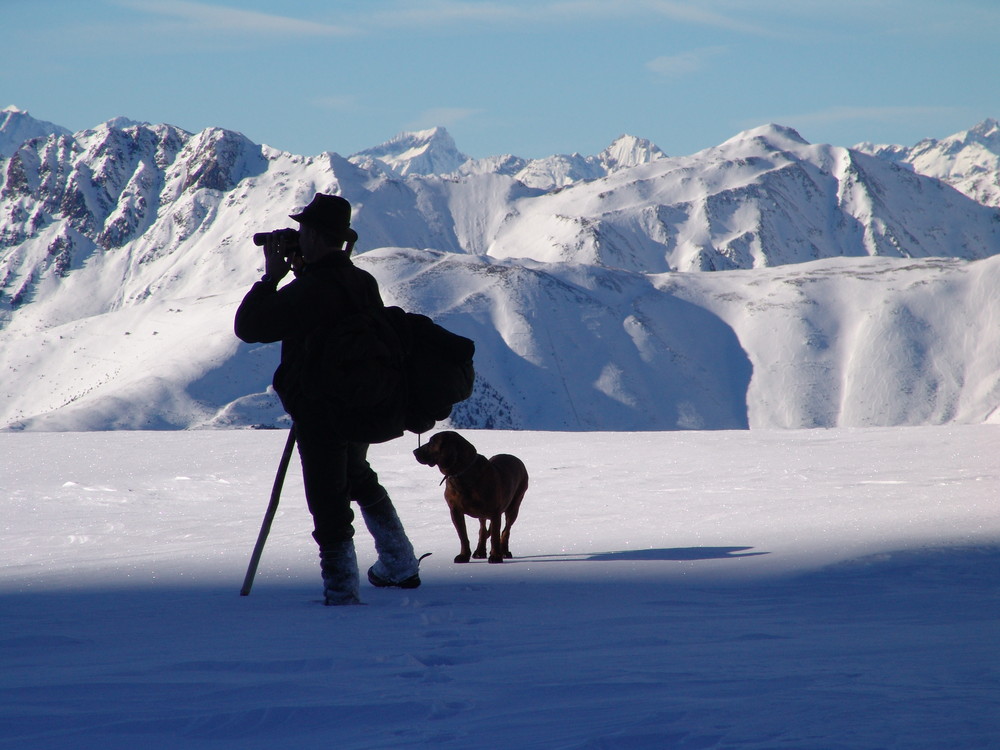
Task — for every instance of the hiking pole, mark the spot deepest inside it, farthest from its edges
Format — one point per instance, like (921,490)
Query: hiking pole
(272,508)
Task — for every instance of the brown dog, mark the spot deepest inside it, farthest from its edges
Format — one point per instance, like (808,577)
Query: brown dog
(477,487)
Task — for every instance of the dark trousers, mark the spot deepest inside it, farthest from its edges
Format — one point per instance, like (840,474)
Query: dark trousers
(335,472)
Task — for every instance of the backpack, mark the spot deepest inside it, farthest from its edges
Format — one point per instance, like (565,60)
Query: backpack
(437,369)
(376,373)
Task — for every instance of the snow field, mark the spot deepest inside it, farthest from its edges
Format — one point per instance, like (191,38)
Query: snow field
(756,589)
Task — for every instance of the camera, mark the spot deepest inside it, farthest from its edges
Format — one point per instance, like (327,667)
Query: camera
(290,239)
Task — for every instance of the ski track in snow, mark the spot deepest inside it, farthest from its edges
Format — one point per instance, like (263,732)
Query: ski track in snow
(803,589)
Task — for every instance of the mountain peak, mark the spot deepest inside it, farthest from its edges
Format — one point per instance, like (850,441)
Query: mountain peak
(986,133)
(426,152)
(18,126)
(437,133)
(629,151)
(120,123)
(987,127)
(772,135)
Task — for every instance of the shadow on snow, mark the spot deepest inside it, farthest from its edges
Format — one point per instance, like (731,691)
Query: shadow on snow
(664,554)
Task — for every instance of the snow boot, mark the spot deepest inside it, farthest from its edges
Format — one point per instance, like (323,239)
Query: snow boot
(397,566)
(339,565)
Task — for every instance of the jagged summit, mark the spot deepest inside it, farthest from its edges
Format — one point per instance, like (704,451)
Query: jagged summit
(18,126)
(969,160)
(986,135)
(433,152)
(629,151)
(562,170)
(425,152)
(124,122)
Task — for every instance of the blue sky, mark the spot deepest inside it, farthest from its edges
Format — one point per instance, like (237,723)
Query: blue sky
(530,78)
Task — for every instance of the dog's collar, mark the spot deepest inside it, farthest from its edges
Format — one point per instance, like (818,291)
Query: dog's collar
(460,473)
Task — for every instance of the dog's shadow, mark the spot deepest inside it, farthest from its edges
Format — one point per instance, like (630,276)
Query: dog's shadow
(679,554)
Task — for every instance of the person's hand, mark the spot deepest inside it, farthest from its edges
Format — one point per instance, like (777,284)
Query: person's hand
(276,265)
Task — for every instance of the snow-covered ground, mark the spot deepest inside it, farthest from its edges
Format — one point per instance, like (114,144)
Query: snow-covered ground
(759,589)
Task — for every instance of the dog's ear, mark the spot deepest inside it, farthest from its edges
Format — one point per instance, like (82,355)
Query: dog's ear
(462,451)
(443,449)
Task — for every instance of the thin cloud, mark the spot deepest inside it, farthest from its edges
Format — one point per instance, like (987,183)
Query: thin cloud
(838,114)
(445,12)
(685,63)
(450,11)
(204,17)
(697,14)
(443,116)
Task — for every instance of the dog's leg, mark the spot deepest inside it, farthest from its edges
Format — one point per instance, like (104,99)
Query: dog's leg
(458,518)
(510,516)
(480,553)
(496,548)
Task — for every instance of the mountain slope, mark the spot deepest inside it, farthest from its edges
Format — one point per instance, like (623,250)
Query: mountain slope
(857,292)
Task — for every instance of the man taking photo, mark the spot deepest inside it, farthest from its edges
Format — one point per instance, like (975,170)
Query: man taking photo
(335,471)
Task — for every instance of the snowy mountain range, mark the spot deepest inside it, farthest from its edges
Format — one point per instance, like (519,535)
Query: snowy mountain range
(764,282)
(968,161)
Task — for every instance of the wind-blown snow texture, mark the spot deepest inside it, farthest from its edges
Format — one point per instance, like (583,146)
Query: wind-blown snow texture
(748,590)
(848,289)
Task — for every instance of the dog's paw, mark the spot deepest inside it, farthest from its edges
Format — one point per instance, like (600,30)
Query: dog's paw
(479,554)
(496,559)
(463,558)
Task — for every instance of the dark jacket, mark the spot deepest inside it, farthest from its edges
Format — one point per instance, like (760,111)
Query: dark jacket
(321,293)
